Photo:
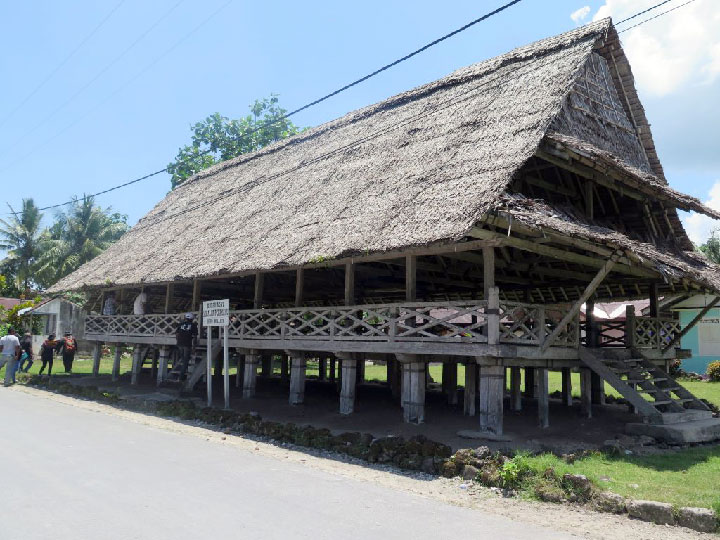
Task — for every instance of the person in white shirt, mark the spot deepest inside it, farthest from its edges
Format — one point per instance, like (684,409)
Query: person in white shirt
(9,354)
(110,307)
(139,304)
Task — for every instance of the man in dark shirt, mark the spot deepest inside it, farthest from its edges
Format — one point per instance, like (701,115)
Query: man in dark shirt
(26,345)
(185,336)
(67,346)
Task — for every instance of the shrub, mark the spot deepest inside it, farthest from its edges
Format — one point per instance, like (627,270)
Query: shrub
(713,371)
(514,471)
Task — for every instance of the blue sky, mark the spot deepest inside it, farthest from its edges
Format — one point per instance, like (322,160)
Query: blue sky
(123,104)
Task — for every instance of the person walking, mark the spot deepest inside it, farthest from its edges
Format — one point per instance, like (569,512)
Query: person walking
(9,354)
(67,346)
(47,350)
(185,336)
(27,353)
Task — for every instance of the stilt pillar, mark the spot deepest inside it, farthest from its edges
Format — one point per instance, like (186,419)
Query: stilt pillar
(136,364)
(515,389)
(449,382)
(348,384)
(491,399)
(250,375)
(598,389)
(360,375)
(116,361)
(394,378)
(332,369)
(413,390)
(322,368)
(530,389)
(298,368)
(240,367)
(586,392)
(266,366)
(471,383)
(567,387)
(541,376)
(97,354)
(284,368)
(163,364)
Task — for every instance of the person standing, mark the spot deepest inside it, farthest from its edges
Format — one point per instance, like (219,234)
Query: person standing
(47,350)
(27,353)
(9,354)
(110,306)
(67,346)
(185,336)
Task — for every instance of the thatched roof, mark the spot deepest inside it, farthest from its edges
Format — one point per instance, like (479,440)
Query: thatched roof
(421,167)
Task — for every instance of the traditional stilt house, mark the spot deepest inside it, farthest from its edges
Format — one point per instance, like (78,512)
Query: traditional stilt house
(464,221)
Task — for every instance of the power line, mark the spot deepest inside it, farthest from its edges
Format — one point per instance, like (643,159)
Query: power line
(327,96)
(61,64)
(642,12)
(655,17)
(113,94)
(97,75)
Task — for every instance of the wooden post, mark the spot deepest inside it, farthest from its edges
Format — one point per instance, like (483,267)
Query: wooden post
(410,278)
(597,389)
(163,368)
(488,270)
(116,362)
(394,378)
(541,375)
(515,389)
(299,287)
(349,284)
(297,378)
(653,308)
(266,366)
(136,364)
(250,375)
(493,317)
(259,286)
(197,287)
(347,387)
(491,399)
(360,377)
(240,370)
(449,382)
(169,291)
(567,387)
(97,354)
(284,367)
(332,369)
(471,383)
(586,392)
(591,337)
(413,390)
(322,368)
(530,387)
(629,326)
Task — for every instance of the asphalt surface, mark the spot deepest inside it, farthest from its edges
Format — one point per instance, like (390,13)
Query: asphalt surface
(71,474)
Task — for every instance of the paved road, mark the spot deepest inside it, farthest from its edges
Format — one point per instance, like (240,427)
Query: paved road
(73,474)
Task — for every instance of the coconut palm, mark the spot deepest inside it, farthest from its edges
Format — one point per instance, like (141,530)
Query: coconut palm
(79,234)
(20,237)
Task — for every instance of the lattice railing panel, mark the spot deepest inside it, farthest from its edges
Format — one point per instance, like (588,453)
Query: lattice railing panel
(570,334)
(452,321)
(655,333)
(520,323)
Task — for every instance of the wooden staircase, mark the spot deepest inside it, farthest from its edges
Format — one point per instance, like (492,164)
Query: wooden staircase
(197,367)
(636,377)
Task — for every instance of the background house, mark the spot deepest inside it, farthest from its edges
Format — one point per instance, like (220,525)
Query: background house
(59,315)
(704,338)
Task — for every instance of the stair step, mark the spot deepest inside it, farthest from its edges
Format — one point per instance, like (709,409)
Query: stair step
(664,402)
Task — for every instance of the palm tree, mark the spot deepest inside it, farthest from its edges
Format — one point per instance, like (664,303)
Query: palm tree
(81,233)
(20,237)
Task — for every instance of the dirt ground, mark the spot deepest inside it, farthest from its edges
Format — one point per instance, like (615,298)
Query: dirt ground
(579,521)
(378,413)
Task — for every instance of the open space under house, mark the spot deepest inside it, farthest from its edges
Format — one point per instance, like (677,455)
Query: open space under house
(464,222)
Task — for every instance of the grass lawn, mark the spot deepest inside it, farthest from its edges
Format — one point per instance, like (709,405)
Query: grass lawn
(686,478)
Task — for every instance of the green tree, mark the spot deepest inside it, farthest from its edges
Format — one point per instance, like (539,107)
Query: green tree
(218,138)
(711,248)
(78,235)
(20,236)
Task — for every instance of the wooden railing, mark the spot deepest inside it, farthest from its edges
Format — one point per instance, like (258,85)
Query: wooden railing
(638,332)
(451,322)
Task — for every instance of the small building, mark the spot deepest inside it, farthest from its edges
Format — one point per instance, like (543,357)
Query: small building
(703,339)
(465,221)
(57,316)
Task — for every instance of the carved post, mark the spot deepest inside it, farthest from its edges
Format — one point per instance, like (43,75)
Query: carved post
(629,326)
(347,387)
(136,365)
(163,368)
(297,378)
(491,399)
(470,398)
(567,387)
(413,390)
(116,362)
(97,354)
(250,375)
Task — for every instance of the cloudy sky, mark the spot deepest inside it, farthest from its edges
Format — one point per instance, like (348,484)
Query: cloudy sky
(99,92)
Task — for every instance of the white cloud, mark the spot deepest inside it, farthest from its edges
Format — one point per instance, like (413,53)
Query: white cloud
(579,15)
(699,226)
(675,50)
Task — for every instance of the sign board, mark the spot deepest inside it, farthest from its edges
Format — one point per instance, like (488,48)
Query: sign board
(216,313)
